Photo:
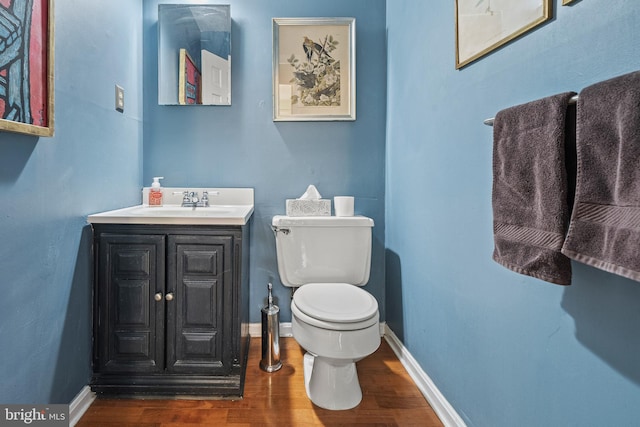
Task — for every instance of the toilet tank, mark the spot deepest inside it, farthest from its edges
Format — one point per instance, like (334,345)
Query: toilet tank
(323,249)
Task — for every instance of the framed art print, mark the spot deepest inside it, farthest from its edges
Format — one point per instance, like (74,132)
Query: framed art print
(314,66)
(484,25)
(26,67)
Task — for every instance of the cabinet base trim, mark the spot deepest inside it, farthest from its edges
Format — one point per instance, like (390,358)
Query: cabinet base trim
(227,386)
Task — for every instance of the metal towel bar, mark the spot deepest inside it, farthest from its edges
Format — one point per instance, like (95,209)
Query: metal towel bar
(489,122)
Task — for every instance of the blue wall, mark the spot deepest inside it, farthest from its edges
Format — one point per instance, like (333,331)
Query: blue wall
(47,188)
(505,349)
(241,146)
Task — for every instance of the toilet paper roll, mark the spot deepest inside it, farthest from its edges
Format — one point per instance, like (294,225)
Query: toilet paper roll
(343,205)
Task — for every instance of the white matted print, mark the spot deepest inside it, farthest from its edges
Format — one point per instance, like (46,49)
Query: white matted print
(314,69)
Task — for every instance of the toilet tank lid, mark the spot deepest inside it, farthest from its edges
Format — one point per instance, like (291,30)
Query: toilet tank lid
(321,221)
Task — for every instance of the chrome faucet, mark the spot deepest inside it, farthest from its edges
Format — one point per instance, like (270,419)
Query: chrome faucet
(190,199)
(193,196)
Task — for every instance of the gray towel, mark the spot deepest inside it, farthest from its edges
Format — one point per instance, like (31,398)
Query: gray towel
(605,223)
(530,191)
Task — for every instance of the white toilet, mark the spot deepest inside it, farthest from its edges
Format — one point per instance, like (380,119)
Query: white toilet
(335,321)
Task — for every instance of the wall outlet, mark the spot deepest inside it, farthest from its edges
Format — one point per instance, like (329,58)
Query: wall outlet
(119,99)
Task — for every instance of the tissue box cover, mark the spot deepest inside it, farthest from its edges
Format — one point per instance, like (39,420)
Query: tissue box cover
(302,207)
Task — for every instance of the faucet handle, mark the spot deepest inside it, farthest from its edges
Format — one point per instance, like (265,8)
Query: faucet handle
(185,196)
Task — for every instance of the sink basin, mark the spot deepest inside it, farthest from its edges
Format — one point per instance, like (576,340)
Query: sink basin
(211,211)
(216,214)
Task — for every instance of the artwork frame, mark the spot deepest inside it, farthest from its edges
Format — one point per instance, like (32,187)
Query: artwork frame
(190,80)
(314,69)
(480,29)
(26,90)
(566,2)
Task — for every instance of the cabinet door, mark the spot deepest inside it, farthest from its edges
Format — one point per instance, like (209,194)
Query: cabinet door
(199,277)
(131,320)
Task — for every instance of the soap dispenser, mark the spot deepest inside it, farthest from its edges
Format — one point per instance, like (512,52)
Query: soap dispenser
(155,193)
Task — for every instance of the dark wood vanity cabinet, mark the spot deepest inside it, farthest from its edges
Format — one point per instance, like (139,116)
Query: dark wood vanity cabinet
(170,310)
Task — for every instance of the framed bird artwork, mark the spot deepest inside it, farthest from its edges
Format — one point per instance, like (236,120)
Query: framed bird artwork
(314,69)
(484,25)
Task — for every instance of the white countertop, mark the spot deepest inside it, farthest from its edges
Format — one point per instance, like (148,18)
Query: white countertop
(228,206)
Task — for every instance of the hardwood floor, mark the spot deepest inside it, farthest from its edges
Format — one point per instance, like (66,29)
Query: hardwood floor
(390,398)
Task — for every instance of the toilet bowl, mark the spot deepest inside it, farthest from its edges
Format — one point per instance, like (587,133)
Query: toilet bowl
(327,259)
(338,325)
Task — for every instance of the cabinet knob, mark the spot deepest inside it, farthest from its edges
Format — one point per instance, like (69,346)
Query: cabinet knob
(169,296)
(158,296)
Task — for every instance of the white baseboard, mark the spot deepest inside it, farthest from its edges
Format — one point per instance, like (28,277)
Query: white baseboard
(80,404)
(438,402)
(255,329)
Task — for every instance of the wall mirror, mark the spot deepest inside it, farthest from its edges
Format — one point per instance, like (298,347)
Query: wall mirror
(194,54)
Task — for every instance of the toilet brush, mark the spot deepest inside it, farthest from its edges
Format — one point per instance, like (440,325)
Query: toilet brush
(270,336)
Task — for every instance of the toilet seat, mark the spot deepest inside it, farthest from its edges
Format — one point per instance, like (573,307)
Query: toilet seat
(338,306)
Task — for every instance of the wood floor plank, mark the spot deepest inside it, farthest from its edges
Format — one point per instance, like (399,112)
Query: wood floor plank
(390,398)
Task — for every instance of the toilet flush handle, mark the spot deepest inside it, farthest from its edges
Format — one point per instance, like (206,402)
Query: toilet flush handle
(282,230)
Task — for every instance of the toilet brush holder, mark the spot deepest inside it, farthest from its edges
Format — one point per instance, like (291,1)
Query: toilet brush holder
(270,361)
